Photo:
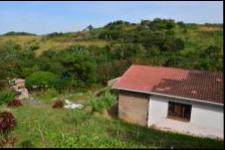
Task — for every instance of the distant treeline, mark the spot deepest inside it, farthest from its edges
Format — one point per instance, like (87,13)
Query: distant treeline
(18,33)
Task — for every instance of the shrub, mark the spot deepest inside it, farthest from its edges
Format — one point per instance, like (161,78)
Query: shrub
(104,101)
(58,104)
(41,80)
(15,103)
(7,122)
(173,44)
(6,96)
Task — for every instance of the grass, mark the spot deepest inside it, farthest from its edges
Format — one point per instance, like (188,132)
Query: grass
(51,43)
(42,126)
(199,37)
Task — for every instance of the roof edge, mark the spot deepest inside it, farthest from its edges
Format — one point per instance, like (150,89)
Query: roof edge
(171,96)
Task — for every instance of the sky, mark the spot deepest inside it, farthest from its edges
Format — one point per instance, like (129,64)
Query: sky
(60,16)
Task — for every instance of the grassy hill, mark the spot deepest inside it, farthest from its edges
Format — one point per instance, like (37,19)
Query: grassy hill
(68,65)
(195,36)
(39,125)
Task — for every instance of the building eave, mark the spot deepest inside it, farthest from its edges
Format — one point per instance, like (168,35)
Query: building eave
(170,96)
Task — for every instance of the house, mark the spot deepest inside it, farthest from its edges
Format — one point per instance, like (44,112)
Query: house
(186,101)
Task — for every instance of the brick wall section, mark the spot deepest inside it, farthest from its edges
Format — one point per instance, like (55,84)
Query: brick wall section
(133,107)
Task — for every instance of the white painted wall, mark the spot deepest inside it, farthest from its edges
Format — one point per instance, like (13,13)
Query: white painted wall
(206,115)
(158,107)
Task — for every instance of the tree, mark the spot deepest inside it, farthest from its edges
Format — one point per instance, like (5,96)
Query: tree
(41,80)
(90,27)
(173,44)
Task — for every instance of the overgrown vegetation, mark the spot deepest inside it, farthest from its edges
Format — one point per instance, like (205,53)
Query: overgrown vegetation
(47,127)
(102,102)
(161,42)
(58,66)
(6,96)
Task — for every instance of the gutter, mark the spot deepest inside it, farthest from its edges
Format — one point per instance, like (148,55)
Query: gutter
(171,96)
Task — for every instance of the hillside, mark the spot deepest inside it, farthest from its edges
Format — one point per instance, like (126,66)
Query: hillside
(77,65)
(116,45)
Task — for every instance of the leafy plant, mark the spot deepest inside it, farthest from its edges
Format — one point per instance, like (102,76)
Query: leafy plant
(104,101)
(41,80)
(6,96)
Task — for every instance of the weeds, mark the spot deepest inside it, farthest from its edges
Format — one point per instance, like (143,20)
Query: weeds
(76,117)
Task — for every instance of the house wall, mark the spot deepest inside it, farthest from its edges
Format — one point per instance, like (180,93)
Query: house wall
(158,108)
(133,107)
(209,116)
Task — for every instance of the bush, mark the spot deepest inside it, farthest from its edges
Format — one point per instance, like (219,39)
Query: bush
(58,104)
(76,116)
(7,122)
(15,103)
(103,102)
(6,96)
(173,44)
(41,80)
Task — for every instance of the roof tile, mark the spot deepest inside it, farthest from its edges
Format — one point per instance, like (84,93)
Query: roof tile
(202,85)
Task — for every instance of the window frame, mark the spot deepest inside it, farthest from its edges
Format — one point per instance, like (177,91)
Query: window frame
(183,106)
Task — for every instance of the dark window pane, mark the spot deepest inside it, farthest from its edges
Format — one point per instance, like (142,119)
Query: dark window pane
(179,111)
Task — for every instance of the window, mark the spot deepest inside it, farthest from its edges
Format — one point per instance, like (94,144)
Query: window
(179,111)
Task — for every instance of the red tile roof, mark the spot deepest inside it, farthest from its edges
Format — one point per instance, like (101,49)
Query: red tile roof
(201,85)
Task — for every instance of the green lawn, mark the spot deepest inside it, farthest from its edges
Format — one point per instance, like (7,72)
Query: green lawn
(43,126)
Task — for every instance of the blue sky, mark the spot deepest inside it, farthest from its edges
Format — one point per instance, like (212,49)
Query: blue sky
(45,17)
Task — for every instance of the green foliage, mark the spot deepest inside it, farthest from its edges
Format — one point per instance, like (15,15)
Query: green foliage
(76,116)
(91,141)
(161,42)
(47,95)
(18,33)
(173,45)
(41,80)
(48,128)
(6,96)
(103,102)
